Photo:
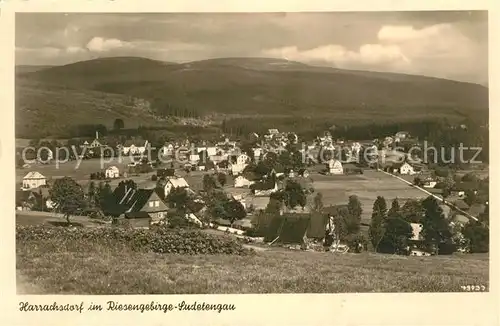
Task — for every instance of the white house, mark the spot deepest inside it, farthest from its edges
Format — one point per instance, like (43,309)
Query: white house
(132,149)
(173,183)
(241,182)
(167,150)
(242,159)
(257,152)
(112,172)
(211,151)
(430,184)
(355,149)
(273,132)
(406,168)
(419,252)
(335,167)
(33,180)
(416,240)
(239,164)
(400,135)
(194,158)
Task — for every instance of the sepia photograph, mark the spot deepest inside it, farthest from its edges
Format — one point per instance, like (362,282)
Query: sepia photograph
(251,153)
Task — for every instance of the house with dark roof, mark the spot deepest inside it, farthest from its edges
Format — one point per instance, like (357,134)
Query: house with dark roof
(461,188)
(265,187)
(34,199)
(173,183)
(145,203)
(165,173)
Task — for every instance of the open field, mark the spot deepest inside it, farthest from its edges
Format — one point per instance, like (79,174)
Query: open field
(336,189)
(81,173)
(91,269)
(79,170)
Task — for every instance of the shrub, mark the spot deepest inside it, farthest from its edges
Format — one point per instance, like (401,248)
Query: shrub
(158,239)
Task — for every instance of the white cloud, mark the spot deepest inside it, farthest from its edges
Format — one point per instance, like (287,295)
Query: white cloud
(339,55)
(407,33)
(440,50)
(99,44)
(74,49)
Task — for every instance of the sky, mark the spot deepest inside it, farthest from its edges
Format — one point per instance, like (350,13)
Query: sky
(444,44)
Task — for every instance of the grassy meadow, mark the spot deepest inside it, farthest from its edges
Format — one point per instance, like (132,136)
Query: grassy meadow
(336,189)
(88,268)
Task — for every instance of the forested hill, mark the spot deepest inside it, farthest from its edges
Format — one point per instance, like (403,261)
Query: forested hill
(233,86)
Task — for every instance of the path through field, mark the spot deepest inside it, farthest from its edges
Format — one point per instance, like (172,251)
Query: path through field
(433,195)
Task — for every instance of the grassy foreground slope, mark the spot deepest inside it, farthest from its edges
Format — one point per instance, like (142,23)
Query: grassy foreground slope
(92,269)
(267,87)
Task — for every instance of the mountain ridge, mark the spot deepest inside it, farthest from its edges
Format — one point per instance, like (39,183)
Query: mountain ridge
(240,86)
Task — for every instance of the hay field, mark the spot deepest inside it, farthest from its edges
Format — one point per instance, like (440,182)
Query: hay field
(337,189)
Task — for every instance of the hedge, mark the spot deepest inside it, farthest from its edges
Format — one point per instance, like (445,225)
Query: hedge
(156,239)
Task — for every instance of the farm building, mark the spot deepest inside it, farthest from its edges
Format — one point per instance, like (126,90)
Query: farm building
(173,183)
(33,180)
(112,172)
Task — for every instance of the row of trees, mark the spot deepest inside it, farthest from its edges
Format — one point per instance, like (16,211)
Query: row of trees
(390,230)
(447,181)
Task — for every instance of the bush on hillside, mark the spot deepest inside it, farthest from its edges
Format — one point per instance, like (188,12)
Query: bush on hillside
(157,239)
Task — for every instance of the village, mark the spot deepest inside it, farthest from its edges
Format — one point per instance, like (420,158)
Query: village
(247,188)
